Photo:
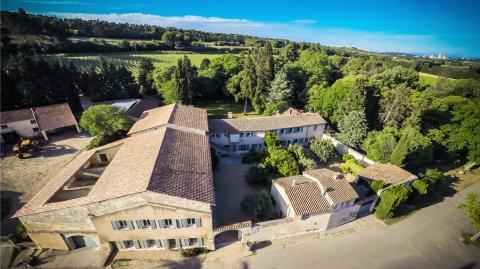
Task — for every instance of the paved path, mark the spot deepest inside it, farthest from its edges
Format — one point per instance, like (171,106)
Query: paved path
(428,239)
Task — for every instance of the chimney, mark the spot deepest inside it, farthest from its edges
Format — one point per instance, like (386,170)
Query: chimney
(337,176)
(230,115)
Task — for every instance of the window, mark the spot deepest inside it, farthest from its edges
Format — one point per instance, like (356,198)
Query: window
(226,135)
(190,222)
(300,141)
(150,243)
(123,225)
(315,127)
(281,131)
(33,121)
(103,157)
(35,129)
(297,129)
(129,244)
(288,130)
(192,241)
(217,135)
(243,147)
(166,223)
(242,134)
(146,223)
(172,243)
(254,146)
(4,126)
(295,141)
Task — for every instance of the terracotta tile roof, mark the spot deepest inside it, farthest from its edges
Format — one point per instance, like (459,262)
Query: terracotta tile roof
(176,114)
(335,184)
(16,115)
(264,123)
(54,116)
(304,195)
(141,106)
(184,167)
(164,160)
(388,173)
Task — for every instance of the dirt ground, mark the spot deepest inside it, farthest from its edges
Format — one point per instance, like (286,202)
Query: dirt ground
(230,189)
(21,179)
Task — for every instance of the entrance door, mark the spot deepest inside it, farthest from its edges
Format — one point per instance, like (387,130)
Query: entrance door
(80,241)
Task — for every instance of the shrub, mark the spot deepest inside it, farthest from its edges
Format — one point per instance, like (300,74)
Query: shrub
(259,175)
(105,120)
(347,157)
(376,185)
(390,200)
(433,176)
(323,149)
(282,160)
(352,167)
(304,162)
(271,140)
(192,252)
(100,140)
(421,186)
(258,205)
(253,156)
(21,232)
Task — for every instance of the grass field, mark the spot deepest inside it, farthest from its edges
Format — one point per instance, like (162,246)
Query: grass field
(131,60)
(220,110)
(429,79)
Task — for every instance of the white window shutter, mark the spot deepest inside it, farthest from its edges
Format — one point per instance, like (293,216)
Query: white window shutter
(177,223)
(153,223)
(137,245)
(200,241)
(158,243)
(179,243)
(139,224)
(198,222)
(184,223)
(114,225)
(120,244)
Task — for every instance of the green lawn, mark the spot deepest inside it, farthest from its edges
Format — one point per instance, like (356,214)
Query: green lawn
(131,60)
(429,79)
(220,111)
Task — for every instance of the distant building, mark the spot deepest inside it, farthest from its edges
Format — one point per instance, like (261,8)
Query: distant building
(236,136)
(32,122)
(133,107)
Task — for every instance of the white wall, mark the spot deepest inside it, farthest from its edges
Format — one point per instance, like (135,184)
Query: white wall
(342,216)
(280,197)
(344,149)
(23,128)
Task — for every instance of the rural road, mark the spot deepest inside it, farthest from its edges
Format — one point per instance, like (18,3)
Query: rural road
(430,238)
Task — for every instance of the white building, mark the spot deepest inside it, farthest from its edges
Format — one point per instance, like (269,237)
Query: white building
(240,135)
(317,200)
(32,122)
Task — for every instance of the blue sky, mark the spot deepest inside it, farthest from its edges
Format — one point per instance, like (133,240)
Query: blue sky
(423,26)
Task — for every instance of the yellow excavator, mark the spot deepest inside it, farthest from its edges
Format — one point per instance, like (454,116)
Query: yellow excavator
(26,148)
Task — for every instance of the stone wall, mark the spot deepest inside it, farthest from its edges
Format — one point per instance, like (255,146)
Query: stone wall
(344,149)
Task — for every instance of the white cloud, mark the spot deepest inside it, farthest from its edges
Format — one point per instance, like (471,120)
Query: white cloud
(299,30)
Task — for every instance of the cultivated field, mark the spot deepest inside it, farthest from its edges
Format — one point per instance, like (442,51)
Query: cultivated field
(131,60)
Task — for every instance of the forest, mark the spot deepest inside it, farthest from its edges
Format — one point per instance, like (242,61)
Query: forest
(377,103)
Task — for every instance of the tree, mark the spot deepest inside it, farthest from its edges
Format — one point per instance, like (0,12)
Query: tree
(105,120)
(169,38)
(390,200)
(278,94)
(262,58)
(282,160)
(184,75)
(471,206)
(413,147)
(395,106)
(396,76)
(204,64)
(421,186)
(258,205)
(379,145)
(145,79)
(304,162)
(376,185)
(323,149)
(271,139)
(353,128)
(249,83)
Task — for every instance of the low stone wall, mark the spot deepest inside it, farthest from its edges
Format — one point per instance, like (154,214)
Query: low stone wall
(344,149)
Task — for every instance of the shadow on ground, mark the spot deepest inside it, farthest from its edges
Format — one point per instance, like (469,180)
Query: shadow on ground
(10,203)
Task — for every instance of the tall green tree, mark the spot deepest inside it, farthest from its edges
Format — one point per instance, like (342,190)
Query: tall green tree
(353,128)
(379,145)
(145,80)
(395,106)
(105,120)
(279,94)
(248,85)
(262,58)
(412,148)
(184,76)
